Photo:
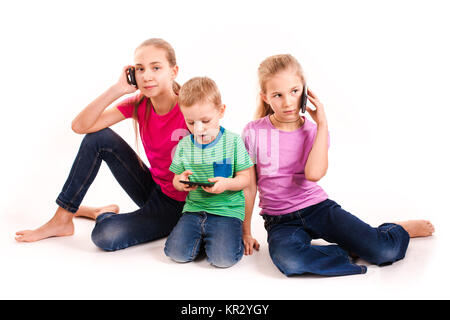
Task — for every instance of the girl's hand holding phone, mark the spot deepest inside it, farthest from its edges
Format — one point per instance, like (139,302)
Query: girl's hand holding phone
(122,84)
(318,115)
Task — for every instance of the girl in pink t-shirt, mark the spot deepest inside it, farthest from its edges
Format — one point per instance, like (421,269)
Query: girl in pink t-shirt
(290,155)
(160,125)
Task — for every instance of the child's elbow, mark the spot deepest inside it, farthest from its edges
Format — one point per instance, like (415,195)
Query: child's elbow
(251,186)
(75,129)
(314,176)
(246,182)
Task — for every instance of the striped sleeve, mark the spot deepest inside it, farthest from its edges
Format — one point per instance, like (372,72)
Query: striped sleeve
(177,165)
(242,158)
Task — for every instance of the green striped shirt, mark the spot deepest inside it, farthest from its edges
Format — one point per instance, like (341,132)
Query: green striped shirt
(222,157)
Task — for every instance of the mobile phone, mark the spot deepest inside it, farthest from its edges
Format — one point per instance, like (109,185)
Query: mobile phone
(304,99)
(131,77)
(200,184)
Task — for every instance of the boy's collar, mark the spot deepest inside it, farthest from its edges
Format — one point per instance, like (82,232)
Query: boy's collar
(212,143)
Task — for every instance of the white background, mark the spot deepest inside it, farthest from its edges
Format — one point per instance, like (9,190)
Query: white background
(380,68)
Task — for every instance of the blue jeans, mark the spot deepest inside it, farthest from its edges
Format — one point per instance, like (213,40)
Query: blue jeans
(157,213)
(221,236)
(290,235)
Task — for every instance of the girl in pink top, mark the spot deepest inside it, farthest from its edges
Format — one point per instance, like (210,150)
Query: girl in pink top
(159,123)
(290,155)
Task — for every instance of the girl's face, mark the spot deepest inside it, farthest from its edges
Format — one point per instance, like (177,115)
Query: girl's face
(202,119)
(154,75)
(283,93)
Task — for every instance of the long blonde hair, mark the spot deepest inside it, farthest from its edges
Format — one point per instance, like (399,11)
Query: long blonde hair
(269,68)
(171,58)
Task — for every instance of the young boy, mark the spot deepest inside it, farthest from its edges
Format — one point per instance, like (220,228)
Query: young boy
(212,216)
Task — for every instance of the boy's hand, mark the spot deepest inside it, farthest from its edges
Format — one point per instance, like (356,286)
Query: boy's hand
(181,186)
(220,185)
(250,243)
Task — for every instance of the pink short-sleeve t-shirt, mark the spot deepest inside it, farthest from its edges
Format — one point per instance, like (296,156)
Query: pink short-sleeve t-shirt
(280,159)
(160,136)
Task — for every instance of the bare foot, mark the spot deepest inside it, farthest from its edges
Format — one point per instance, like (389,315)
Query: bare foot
(60,225)
(94,212)
(417,228)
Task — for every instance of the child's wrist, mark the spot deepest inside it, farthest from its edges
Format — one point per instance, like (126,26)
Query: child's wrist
(118,89)
(322,123)
(231,184)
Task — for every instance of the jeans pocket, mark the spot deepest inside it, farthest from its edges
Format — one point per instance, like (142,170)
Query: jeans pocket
(222,169)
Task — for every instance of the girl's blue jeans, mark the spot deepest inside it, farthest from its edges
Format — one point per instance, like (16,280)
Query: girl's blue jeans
(221,237)
(290,235)
(157,213)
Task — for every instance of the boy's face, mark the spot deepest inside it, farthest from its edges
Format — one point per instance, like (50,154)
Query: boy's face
(154,75)
(202,119)
(283,93)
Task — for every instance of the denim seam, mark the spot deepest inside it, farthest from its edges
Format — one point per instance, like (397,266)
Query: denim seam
(194,249)
(202,224)
(87,178)
(363,269)
(202,229)
(71,180)
(66,206)
(386,231)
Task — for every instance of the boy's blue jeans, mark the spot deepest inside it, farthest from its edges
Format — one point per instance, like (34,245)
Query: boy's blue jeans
(221,237)
(290,235)
(157,213)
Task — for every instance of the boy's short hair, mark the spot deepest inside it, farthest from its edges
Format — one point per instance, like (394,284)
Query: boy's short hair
(199,90)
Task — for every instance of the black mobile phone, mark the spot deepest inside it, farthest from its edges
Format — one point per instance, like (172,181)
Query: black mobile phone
(201,184)
(304,99)
(131,77)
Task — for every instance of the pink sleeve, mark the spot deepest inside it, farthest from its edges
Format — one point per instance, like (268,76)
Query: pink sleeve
(126,107)
(248,136)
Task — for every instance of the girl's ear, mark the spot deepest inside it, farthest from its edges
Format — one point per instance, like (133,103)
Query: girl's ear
(264,97)
(174,72)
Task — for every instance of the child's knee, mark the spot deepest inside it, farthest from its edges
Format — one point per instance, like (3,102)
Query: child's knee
(177,255)
(223,263)
(287,261)
(98,136)
(223,259)
(105,236)
(387,256)
(393,249)
(179,252)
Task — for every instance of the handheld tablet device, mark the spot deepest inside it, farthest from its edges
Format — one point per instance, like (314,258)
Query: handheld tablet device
(201,184)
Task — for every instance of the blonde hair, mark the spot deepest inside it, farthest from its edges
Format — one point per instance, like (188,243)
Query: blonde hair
(199,90)
(269,68)
(171,58)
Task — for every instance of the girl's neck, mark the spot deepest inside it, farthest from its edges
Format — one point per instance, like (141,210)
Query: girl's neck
(286,126)
(163,103)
